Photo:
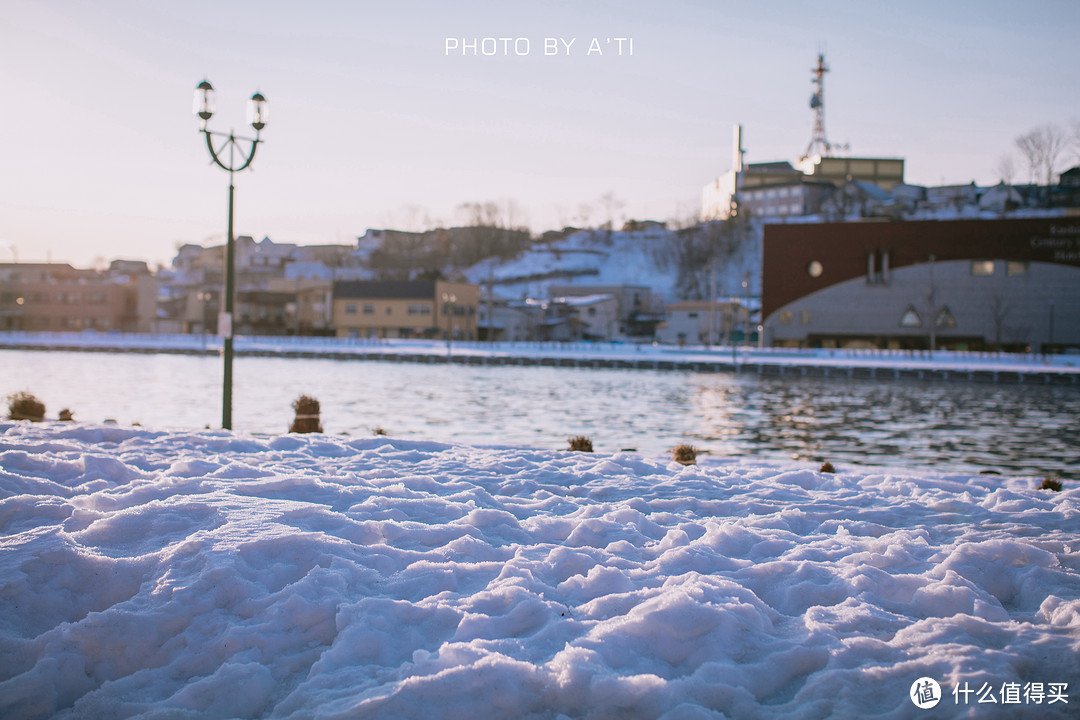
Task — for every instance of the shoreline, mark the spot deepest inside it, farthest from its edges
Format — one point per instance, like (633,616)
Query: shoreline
(993,368)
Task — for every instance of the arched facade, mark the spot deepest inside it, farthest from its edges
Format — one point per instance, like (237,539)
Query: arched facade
(969,284)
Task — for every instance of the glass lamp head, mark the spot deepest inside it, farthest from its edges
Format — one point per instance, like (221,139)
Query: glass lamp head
(204,102)
(258,111)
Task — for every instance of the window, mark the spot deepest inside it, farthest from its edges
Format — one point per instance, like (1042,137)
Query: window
(877,268)
(350,308)
(945,318)
(982,267)
(692,315)
(910,318)
(1016,267)
(419,309)
(369,308)
(785,317)
(804,317)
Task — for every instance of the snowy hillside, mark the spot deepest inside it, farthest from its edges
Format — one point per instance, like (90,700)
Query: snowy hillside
(649,257)
(220,575)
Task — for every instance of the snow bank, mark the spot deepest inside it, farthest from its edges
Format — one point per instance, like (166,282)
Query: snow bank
(209,574)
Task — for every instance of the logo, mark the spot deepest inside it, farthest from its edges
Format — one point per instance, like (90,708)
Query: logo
(925,693)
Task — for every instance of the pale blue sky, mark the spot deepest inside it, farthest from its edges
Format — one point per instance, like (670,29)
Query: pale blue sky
(372,124)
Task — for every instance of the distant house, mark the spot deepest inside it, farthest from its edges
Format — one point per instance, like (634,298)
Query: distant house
(308,305)
(405,309)
(506,322)
(1000,198)
(1070,178)
(594,317)
(700,322)
(637,309)
(56,297)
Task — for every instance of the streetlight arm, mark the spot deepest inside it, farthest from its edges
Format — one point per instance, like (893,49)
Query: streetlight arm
(232,141)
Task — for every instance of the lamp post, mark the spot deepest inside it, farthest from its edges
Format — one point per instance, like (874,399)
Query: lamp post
(234,161)
(448,307)
(204,298)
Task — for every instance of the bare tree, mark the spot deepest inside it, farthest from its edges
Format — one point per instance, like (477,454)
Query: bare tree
(1028,145)
(611,205)
(1006,168)
(584,214)
(1042,149)
(410,218)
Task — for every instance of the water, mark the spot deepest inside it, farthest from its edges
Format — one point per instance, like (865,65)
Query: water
(968,427)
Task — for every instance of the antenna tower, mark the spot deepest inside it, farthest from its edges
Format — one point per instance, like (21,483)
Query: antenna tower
(819,144)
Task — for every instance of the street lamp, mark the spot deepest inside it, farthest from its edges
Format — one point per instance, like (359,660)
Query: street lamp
(237,160)
(204,297)
(448,307)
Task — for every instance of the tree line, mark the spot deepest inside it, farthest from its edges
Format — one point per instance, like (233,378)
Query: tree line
(1042,150)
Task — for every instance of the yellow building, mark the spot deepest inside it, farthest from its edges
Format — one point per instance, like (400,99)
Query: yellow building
(399,309)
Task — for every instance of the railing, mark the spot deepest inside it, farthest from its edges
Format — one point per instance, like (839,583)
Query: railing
(285,344)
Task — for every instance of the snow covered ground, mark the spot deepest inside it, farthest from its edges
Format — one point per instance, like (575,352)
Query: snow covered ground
(219,575)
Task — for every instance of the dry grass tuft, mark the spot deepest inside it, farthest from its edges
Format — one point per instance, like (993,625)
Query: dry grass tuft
(24,406)
(1051,484)
(307,415)
(580,444)
(685,454)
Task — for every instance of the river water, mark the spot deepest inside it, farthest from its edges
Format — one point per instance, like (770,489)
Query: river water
(963,427)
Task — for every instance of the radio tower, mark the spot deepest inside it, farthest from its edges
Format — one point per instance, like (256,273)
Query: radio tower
(819,144)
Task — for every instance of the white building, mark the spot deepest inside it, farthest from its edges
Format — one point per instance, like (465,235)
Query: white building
(700,322)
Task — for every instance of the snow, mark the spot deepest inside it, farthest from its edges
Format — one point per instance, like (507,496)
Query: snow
(640,258)
(209,574)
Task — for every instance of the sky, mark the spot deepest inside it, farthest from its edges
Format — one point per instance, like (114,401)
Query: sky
(381,114)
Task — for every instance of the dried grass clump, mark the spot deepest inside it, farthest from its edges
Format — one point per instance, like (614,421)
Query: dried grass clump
(580,443)
(1051,484)
(24,406)
(827,467)
(685,454)
(67,416)
(307,415)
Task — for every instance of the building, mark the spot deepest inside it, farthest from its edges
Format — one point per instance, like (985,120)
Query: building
(405,309)
(503,321)
(593,317)
(777,201)
(700,322)
(885,173)
(281,288)
(309,304)
(56,297)
(637,310)
(1008,284)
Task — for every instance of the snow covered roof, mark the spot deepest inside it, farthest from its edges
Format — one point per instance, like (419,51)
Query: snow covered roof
(582,300)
